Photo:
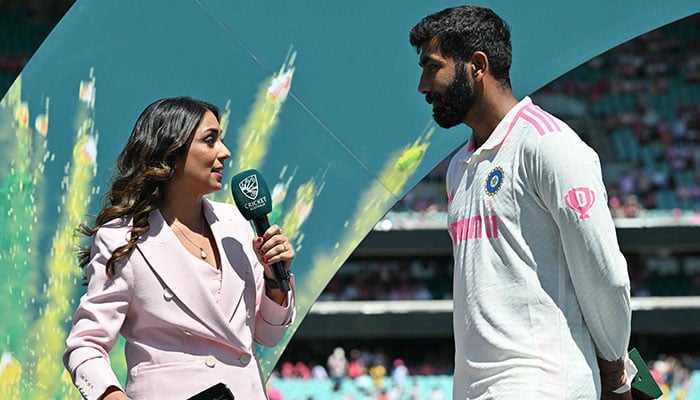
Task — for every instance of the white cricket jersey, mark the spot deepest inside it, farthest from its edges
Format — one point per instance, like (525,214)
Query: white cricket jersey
(540,285)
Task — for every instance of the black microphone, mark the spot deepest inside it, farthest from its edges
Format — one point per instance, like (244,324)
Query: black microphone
(253,200)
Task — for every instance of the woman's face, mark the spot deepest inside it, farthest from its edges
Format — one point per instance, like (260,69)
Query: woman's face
(201,171)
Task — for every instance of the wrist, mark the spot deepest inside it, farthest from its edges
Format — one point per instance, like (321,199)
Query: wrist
(612,374)
(629,373)
(270,283)
(113,392)
(616,376)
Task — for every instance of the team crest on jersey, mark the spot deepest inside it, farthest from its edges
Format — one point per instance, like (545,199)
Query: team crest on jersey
(494,181)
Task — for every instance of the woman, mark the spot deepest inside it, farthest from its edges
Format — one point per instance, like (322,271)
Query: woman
(180,277)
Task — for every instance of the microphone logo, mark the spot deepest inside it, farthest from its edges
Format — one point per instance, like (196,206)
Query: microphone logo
(249,186)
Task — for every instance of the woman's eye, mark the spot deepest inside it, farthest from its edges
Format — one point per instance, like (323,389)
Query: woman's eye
(210,140)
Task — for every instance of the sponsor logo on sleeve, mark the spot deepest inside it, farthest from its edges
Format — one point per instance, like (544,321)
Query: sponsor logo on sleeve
(580,199)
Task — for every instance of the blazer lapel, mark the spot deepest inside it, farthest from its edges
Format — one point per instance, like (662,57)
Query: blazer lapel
(169,261)
(235,267)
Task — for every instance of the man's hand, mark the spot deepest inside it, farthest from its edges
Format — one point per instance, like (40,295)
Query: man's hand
(114,393)
(612,376)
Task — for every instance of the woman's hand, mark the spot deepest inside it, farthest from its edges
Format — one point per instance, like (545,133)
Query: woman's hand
(274,247)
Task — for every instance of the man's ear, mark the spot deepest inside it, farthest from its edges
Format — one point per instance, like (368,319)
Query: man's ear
(479,64)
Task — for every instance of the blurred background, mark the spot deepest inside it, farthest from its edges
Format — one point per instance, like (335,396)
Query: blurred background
(382,328)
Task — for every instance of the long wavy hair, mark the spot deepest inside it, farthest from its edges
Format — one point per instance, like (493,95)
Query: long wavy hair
(160,139)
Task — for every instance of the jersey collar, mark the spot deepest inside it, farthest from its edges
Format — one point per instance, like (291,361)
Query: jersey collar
(497,137)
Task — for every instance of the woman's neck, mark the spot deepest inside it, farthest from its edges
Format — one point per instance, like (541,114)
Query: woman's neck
(187,211)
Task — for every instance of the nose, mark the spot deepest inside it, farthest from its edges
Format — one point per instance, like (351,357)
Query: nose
(224,152)
(423,85)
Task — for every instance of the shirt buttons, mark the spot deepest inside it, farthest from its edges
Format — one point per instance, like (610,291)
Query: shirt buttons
(168,294)
(210,361)
(84,386)
(245,359)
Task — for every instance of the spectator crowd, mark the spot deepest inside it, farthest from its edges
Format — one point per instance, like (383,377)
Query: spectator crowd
(367,375)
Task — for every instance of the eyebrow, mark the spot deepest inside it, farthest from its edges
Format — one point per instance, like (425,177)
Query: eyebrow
(427,57)
(423,59)
(213,130)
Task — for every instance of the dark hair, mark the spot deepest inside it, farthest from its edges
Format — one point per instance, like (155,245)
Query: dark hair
(463,30)
(160,138)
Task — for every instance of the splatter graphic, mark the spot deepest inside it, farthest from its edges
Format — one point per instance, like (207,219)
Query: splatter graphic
(255,135)
(37,286)
(64,277)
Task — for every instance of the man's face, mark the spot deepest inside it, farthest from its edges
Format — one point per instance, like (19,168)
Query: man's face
(446,85)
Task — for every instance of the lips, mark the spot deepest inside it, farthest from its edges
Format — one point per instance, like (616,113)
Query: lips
(218,172)
(433,100)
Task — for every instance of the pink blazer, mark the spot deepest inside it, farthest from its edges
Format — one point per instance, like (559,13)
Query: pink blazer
(184,332)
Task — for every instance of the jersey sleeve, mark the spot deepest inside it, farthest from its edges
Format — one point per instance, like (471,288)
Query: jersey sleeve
(566,176)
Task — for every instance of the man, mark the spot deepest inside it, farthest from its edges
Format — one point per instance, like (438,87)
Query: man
(541,292)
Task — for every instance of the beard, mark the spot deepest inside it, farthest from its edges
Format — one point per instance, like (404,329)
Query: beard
(455,103)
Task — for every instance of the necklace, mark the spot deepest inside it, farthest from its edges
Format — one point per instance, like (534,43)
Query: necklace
(202,253)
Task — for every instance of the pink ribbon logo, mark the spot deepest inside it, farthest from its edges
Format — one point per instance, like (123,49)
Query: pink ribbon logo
(581,200)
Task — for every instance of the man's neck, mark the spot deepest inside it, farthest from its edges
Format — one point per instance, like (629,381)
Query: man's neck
(485,116)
